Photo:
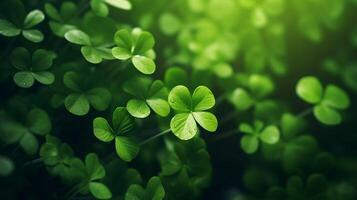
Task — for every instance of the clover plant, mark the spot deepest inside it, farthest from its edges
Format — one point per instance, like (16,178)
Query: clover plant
(137,46)
(33,18)
(32,67)
(100,7)
(123,126)
(154,190)
(327,102)
(191,109)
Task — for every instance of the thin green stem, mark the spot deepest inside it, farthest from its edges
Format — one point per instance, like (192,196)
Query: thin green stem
(37,160)
(155,136)
(304,113)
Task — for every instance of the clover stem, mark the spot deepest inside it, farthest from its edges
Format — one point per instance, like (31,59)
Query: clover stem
(304,113)
(74,191)
(38,160)
(155,136)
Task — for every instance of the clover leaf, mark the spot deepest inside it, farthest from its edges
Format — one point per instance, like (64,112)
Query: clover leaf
(154,190)
(253,134)
(6,166)
(37,123)
(135,45)
(33,18)
(191,109)
(315,187)
(63,20)
(123,125)
(94,37)
(327,102)
(80,99)
(33,67)
(101,9)
(148,95)
(54,153)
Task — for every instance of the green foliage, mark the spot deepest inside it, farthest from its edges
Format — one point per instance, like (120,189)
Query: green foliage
(191,110)
(154,190)
(327,102)
(123,126)
(32,67)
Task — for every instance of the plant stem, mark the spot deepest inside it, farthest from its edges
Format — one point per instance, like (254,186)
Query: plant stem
(304,113)
(155,136)
(37,160)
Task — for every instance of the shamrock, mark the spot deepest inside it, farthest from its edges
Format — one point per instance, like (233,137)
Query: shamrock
(32,67)
(259,87)
(136,46)
(90,173)
(123,125)
(78,102)
(56,156)
(94,38)
(148,94)
(33,18)
(191,109)
(250,141)
(37,123)
(101,9)
(314,188)
(63,20)
(154,190)
(327,102)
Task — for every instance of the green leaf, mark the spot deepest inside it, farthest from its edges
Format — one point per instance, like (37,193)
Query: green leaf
(52,12)
(144,43)
(24,79)
(91,54)
(246,128)
(138,108)
(206,120)
(99,8)
(8,29)
(99,98)
(77,104)
(78,37)
(260,86)
(249,144)
(6,166)
(20,58)
(270,135)
(154,189)
(29,143)
(42,59)
(72,80)
(184,126)
(336,97)
(46,78)
(175,76)
(121,53)
(137,86)
(327,115)
(159,106)
(123,123)
(99,190)
(124,40)
(94,168)
(33,35)
(241,99)
(180,99)
(309,89)
(33,18)
(38,121)
(202,99)
(122,4)
(157,99)
(144,64)
(102,129)
(169,23)
(126,148)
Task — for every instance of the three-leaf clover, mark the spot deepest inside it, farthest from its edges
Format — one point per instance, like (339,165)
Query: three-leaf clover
(135,45)
(63,20)
(259,87)
(37,123)
(33,18)
(154,190)
(101,9)
(148,94)
(79,100)
(90,173)
(191,109)
(123,125)
(250,141)
(327,102)
(95,38)
(33,67)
